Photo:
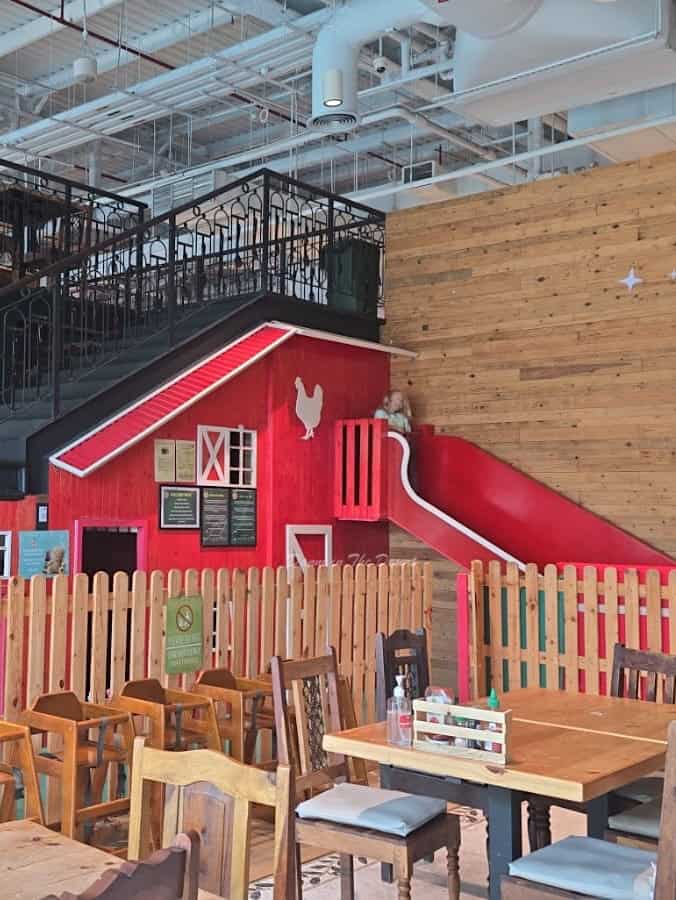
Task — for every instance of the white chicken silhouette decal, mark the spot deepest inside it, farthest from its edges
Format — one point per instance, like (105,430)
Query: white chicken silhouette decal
(309,409)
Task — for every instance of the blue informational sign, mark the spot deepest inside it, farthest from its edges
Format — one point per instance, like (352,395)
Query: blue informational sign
(43,553)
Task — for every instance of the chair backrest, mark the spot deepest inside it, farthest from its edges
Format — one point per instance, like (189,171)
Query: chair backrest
(219,808)
(402,653)
(629,668)
(64,705)
(665,886)
(222,678)
(170,874)
(148,689)
(313,685)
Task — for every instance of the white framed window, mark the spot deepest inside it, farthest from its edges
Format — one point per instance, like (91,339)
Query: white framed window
(5,554)
(226,457)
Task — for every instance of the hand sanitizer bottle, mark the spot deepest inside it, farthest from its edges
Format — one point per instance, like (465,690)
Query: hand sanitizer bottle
(399,720)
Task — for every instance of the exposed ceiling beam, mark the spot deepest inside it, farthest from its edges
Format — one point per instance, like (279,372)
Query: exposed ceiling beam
(49,22)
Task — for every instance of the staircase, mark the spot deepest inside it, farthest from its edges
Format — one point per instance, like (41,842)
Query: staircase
(93,332)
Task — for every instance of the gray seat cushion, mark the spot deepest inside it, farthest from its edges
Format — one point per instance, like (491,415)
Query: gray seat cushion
(643,790)
(643,819)
(588,866)
(391,812)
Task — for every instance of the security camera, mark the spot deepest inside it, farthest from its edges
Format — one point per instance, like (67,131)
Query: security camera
(381,64)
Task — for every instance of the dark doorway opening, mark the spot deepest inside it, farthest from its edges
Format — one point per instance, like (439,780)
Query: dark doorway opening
(109,550)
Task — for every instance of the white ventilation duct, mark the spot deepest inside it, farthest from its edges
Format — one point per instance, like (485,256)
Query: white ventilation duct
(336,53)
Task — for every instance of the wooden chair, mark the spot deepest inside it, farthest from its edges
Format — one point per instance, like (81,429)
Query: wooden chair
(178,720)
(600,860)
(170,874)
(631,669)
(313,684)
(222,813)
(402,653)
(84,762)
(241,710)
(16,739)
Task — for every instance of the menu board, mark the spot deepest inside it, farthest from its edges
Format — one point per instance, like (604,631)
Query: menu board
(242,517)
(165,460)
(215,528)
(185,461)
(179,507)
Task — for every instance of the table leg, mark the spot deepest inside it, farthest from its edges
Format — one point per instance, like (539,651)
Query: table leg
(597,817)
(386,869)
(504,834)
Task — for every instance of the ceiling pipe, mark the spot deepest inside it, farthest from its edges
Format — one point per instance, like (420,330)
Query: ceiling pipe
(339,43)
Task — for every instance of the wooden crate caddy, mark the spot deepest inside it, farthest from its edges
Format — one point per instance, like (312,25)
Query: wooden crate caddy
(422,727)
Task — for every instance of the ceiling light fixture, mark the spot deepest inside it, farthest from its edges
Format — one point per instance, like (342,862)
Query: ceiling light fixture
(85,67)
(333,87)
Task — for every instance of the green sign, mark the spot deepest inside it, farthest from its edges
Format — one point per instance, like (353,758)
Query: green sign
(184,649)
(179,507)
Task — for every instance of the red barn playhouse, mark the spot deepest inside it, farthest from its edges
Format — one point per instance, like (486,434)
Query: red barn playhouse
(263,453)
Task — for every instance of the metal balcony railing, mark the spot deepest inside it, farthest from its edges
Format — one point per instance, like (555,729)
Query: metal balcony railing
(264,234)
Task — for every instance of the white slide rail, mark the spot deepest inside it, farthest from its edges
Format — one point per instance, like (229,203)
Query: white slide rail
(439,514)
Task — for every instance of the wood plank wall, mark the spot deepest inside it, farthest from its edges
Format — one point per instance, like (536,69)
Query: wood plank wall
(531,347)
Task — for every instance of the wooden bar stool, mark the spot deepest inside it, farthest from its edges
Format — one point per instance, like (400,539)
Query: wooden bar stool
(19,760)
(89,748)
(241,709)
(178,720)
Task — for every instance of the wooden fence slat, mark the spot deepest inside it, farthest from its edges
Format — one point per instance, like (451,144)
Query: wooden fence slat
(571,636)
(428,604)
(345,661)
(395,620)
(14,683)
(513,626)
(551,588)
(139,587)
(477,660)
(97,675)
(208,592)
(118,649)
(611,616)
(281,603)
(309,611)
(404,615)
(238,627)
(654,611)
(591,630)
(416,610)
(268,633)
(336,593)
(223,617)
(384,598)
(191,588)
(532,626)
(295,651)
(358,644)
(371,627)
(37,632)
(322,617)
(78,635)
(174,589)
(253,613)
(672,612)
(156,626)
(631,610)
(56,680)
(495,623)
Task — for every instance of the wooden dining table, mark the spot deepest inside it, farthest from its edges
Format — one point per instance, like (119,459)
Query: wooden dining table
(571,747)
(36,862)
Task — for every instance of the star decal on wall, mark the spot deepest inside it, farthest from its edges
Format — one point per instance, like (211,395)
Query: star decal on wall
(631,280)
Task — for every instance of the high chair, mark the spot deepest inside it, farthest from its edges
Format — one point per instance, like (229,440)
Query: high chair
(177,720)
(241,709)
(19,761)
(84,760)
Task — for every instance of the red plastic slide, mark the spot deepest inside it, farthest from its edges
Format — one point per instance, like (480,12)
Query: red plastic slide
(477,507)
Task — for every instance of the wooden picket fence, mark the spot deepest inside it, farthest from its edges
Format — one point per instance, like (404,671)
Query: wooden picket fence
(558,629)
(56,635)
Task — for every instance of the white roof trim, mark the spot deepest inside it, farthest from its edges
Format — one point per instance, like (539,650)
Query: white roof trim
(342,339)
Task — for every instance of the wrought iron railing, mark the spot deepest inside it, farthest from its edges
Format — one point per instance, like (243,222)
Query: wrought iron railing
(44,218)
(264,234)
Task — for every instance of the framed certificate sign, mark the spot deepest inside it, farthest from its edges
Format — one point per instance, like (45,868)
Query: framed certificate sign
(242,517)
(179,507)
(215,528)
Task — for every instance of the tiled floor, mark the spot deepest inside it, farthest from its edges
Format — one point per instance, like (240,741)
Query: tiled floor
(429,881)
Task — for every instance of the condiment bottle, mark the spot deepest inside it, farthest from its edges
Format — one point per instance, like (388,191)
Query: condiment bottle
(494,705)
(399,720)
